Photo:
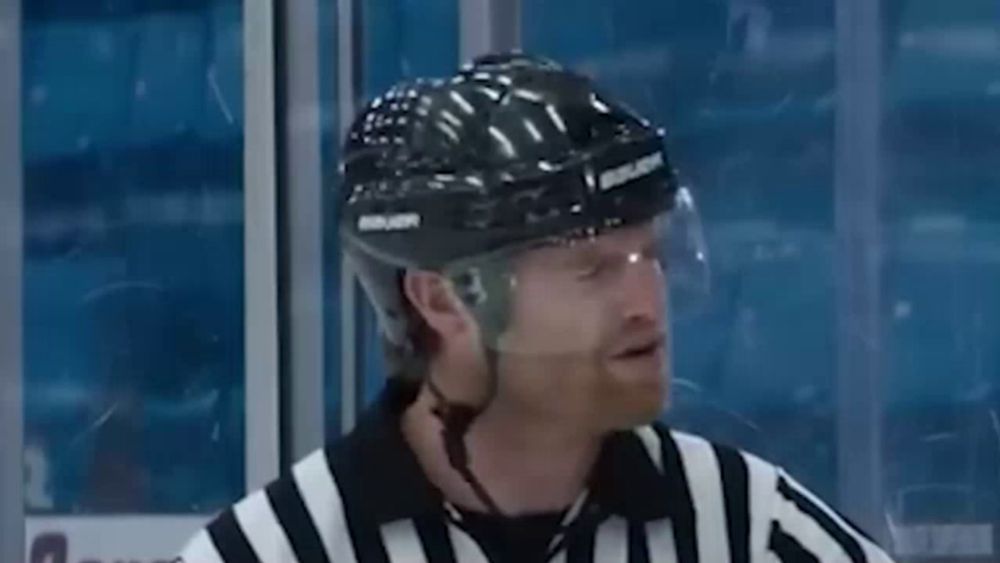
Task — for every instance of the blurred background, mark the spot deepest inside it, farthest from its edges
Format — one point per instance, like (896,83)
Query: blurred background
(183,329)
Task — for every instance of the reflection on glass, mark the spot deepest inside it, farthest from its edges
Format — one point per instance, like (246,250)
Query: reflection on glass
(133,300)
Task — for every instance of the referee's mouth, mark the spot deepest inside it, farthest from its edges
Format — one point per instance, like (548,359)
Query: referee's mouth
(640,349)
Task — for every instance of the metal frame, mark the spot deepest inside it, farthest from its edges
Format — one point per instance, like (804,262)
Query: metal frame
(347,92)
(857,197)
(488,26)
(11,269)
(260,246)
(300,171)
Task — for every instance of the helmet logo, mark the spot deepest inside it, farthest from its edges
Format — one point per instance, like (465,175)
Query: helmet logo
(614,177)
(389,222)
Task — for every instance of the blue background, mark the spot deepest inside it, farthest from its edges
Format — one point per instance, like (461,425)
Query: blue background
(134,255)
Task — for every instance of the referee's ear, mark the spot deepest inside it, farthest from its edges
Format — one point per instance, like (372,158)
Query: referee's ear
(435,300)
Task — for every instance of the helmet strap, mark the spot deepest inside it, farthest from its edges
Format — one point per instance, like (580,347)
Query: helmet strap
(456,419)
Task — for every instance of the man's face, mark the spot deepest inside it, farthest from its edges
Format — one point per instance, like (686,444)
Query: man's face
(587,333)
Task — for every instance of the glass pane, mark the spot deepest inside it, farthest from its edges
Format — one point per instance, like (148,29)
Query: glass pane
(942,435)
(133,274)
(744,91)
(405,39)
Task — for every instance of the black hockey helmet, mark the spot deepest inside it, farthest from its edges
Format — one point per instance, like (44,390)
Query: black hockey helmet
(510,151)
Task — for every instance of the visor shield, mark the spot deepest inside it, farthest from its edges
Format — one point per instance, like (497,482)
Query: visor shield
(605,291)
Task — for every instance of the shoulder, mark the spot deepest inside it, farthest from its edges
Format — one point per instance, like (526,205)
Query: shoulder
(774,511)
(699,457)
(301,511)
(707,473)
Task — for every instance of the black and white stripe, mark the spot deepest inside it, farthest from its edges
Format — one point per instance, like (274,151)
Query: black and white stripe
(725,505)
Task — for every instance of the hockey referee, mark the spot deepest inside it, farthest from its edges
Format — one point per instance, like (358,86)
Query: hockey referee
(519,235)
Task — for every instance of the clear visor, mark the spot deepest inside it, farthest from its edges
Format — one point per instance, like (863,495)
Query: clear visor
(612,291)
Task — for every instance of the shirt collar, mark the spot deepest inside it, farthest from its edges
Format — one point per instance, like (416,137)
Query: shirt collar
(624,482)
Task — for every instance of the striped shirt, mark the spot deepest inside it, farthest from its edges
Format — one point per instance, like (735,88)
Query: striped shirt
(655,496)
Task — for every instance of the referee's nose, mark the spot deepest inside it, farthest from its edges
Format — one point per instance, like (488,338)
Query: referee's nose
(642,292)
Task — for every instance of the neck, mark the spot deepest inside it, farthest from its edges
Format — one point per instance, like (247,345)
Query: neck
(527,465)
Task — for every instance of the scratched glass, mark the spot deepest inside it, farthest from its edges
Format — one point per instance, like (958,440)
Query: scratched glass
(133,265)
(941,304)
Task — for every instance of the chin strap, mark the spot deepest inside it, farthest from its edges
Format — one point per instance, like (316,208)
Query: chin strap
(456,420)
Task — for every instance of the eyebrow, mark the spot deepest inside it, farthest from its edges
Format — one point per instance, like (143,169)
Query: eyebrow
(573,249)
